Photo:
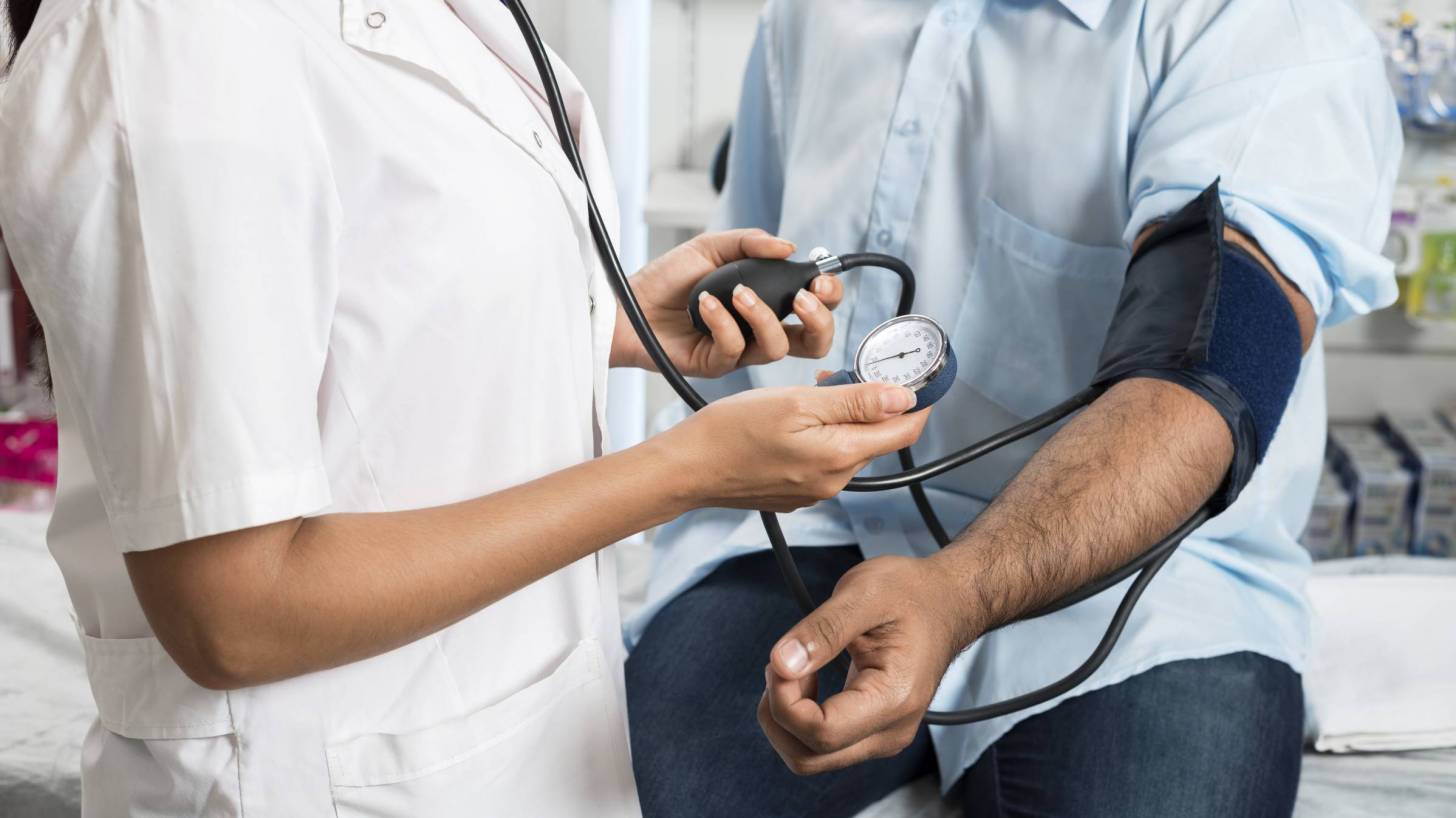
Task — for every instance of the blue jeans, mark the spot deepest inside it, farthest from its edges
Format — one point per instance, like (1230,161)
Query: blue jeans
(1210,737)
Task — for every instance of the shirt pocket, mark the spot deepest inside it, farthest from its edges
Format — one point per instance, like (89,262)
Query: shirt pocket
(144,698)
(1036,312)
(557,747)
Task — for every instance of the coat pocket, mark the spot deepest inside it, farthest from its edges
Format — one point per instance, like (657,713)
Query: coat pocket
(557,747)
(141,693)
(190,761)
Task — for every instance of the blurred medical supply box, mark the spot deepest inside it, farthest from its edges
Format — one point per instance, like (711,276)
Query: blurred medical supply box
(1428,450)
(1448,414)
(1327,535)
(1379,487)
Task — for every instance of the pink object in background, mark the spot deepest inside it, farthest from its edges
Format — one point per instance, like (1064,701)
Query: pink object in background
(28,458)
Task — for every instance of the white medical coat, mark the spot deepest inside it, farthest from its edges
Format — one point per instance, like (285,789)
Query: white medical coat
(304,257)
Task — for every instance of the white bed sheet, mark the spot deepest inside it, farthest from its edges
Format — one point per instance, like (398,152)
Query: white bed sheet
(45,702)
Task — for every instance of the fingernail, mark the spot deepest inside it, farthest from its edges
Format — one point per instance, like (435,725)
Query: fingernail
(744,296)
(792,246)
(707,302)
(794,656)
(806,302)
(897,399)
(821,285)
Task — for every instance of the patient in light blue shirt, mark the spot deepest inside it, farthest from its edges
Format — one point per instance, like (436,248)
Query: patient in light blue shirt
(1013,151)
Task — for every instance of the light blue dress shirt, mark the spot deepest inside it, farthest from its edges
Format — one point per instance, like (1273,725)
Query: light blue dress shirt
(1010,151)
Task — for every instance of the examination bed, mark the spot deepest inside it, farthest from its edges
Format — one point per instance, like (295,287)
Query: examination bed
(45,710)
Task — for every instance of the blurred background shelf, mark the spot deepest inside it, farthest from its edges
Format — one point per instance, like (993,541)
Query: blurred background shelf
(679,199)
(1391,332)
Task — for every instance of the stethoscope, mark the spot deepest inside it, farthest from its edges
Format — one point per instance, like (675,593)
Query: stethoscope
(926,365)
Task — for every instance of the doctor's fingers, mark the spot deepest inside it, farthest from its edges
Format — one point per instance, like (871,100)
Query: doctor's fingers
(730,245)
(854,403)
(828,289)
(860,443)
(726,346)
(814,334)
(770,341)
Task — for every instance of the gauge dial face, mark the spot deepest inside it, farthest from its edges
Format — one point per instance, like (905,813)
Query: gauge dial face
(906,351)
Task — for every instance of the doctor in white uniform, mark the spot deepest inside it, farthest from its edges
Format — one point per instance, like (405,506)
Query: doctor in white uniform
(329,345)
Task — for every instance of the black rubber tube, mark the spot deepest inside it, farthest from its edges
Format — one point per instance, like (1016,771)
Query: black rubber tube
(911,477)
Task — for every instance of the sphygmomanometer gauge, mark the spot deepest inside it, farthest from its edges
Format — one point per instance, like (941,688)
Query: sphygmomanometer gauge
(910,351)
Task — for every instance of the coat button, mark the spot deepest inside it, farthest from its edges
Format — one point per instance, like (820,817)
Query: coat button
(375,19)
(540,143)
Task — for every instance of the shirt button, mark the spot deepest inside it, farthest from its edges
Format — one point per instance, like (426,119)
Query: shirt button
(874,525)
(884,237)
(375,19)
(951,15)
(910,127)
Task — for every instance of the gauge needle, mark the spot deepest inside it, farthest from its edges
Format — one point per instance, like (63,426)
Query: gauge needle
(901,355)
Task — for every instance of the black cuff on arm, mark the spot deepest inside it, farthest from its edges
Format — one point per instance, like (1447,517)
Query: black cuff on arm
(1205,315)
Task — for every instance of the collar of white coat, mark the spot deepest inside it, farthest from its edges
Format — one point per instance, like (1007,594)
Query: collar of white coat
(398,29)
(384,27)
(1089,12)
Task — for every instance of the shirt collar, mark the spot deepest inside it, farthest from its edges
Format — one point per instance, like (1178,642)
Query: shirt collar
(1090,12)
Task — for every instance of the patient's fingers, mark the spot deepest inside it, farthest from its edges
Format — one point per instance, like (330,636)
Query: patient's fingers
(788,706)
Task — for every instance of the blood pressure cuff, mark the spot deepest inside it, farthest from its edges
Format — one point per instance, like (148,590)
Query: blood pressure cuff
(1203,314)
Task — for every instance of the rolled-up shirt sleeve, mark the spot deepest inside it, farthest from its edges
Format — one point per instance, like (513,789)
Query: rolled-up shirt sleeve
(1291,110)
(177,235)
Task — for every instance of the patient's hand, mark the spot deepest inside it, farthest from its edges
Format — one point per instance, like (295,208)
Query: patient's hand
(664,286)
(897,618)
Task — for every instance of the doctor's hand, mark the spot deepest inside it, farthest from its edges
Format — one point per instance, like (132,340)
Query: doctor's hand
(902,622)
(787,448)
(664,286)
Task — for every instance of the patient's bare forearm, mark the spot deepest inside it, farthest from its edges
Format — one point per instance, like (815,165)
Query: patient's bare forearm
(1115,480)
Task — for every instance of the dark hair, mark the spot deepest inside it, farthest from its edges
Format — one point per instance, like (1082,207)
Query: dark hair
(19,15)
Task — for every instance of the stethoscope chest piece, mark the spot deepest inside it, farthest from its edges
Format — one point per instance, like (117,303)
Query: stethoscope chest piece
(912,351)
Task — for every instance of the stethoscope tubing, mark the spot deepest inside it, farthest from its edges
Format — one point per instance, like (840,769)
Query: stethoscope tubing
(1145,566)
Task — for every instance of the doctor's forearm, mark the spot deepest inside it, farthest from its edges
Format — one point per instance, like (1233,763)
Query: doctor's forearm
(286,599)
(280,600)
(1119,477)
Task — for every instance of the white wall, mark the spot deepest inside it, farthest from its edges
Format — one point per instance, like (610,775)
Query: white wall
(698,49)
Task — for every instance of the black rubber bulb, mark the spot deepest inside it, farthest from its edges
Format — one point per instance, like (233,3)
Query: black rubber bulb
(775,282)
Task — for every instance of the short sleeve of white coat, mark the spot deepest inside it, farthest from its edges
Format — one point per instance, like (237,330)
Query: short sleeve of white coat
(1287,101)
(171,210)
